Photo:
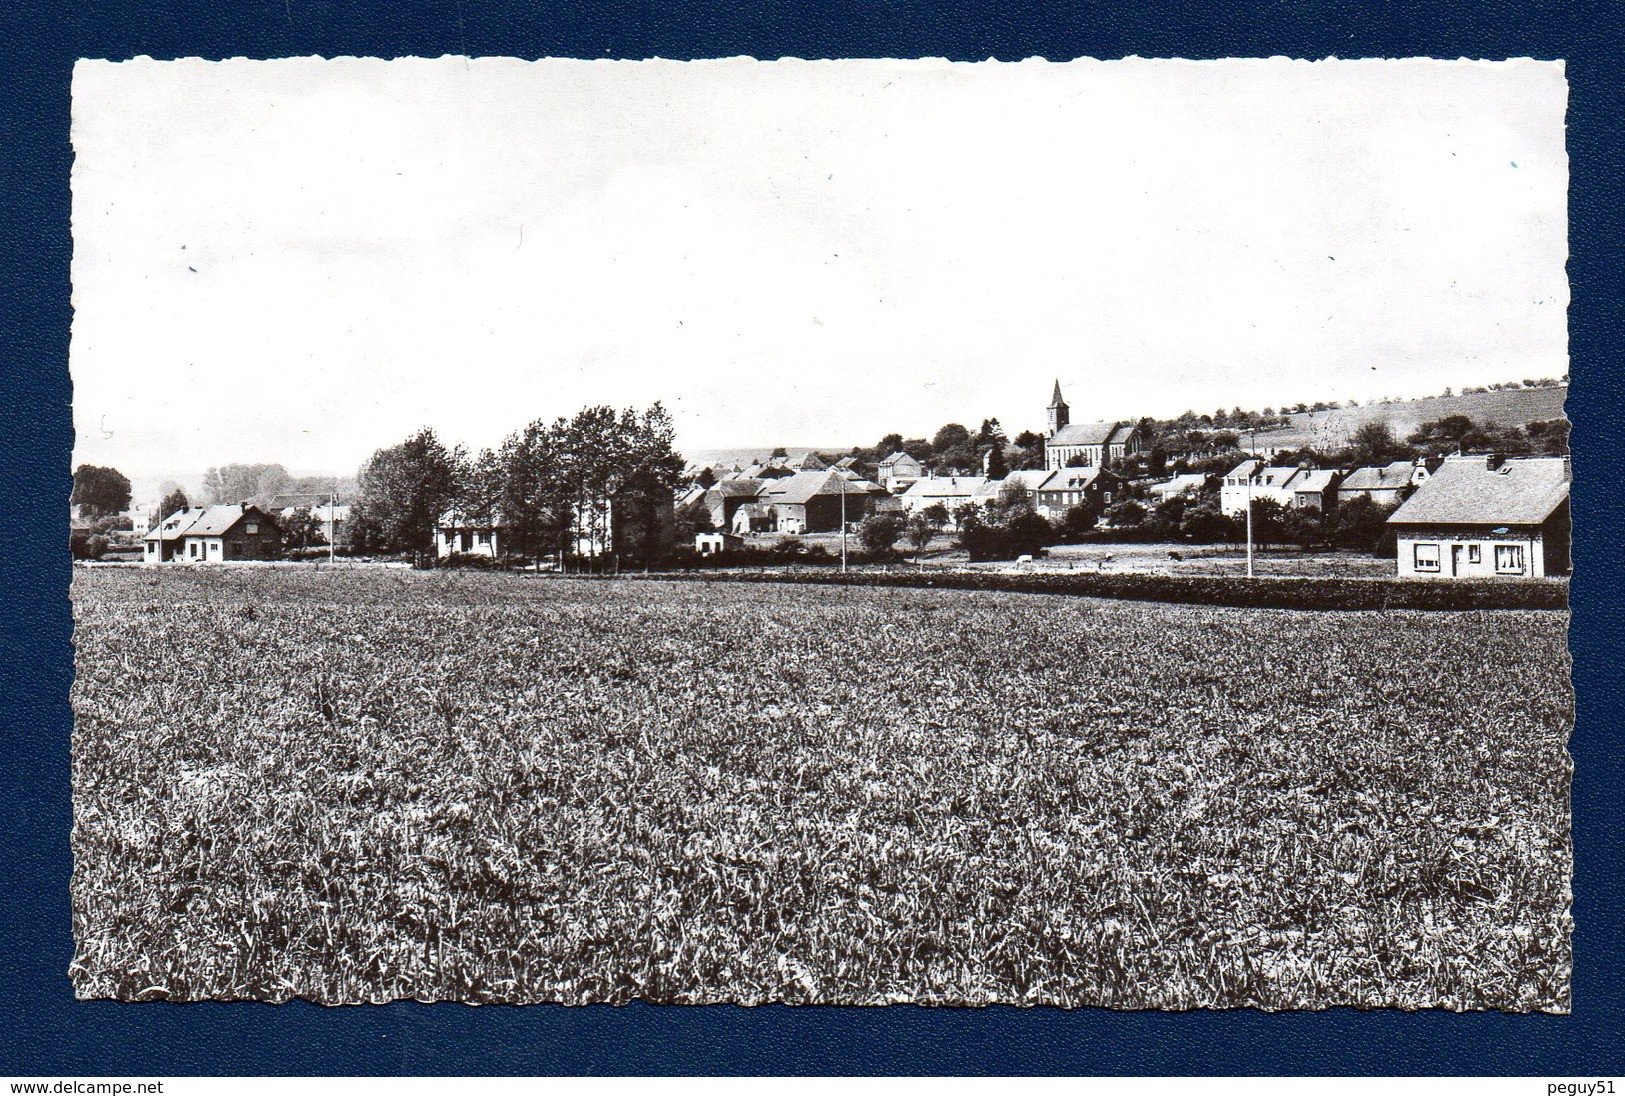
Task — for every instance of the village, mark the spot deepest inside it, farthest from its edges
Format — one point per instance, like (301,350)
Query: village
(1451,503)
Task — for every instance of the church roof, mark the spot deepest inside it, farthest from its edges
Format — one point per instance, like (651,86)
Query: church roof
(1056,400)
(1091,433)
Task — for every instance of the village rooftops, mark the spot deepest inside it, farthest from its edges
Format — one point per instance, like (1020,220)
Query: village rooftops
(1479,492)
(1314,479)
(1389,477)
(796,489)
(945,487)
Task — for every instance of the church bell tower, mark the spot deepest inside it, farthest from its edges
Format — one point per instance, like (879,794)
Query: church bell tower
(1059,414)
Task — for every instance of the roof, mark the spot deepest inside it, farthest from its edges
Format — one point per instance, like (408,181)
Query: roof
(463,519)
(1090,433)
(207,521)
(1519,492)
(1390,477)
(742,488)
(1315,479)
(1071,479)
(1056,400)
(1179,484)
(1244,469)
(295,501)
(897,458)
(847,462)
(1030,478)
(803,486)
(959,487)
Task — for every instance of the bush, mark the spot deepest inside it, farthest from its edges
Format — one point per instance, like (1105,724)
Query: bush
(87,545)
(879,533)
(1266,593)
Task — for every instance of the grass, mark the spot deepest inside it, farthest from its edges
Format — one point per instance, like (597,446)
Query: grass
(366,785)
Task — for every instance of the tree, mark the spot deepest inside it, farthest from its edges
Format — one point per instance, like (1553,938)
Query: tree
(879,533)
(173,503)
(300,529)
(997,467)
(257,483)
(1305,527)
(1205,523)
(991,433)
(889,444)
(923,526)
(780,453)
(1077,521)
(404,490)
(1127,514)
(1267,522)
(953,447)
(1374,443)
(99,491)
(1359,524)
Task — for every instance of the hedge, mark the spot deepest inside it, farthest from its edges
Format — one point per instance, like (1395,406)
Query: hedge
(1268,593)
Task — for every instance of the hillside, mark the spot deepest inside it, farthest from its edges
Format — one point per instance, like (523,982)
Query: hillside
(746,455)
(1330,429)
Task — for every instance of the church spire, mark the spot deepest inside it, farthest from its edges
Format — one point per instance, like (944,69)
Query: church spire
(1059,414)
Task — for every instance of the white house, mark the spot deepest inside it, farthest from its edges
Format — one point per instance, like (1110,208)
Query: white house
(1482,517)
(461,533)
(1287,487)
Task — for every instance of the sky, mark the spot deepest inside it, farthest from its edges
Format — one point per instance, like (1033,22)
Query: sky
(302,261)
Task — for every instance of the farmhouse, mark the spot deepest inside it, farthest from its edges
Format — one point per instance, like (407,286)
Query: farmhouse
(1094,488)
(951,492)
(1299,487)
(1187,486)
(214,534)
(459,532)
(1483,517)
(1388,485)
(1088,444)
(898,471)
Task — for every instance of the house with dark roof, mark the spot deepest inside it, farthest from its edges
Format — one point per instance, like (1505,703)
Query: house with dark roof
(1483,517)
(1094,488)
(229,533)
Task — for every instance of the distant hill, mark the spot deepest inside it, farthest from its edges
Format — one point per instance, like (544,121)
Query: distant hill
(1332,429)
(745,456)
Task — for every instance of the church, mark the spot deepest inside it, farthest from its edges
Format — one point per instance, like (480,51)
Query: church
(1085,444)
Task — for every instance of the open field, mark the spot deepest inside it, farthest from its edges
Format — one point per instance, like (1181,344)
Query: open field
(1162,559)
(369,784)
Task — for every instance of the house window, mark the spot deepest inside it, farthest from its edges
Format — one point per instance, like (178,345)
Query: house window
(1509,559)
(1426,557)
(252,529)
(479,538)
(191,548)
(1475,553)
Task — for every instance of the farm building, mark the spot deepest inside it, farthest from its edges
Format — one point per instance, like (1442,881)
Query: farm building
(710,544)
(214,534)
(1065,488)
(1186,486)
(951,492)
(1085,444)
(1482,517)
(461,533)
(1287,487)
(814,502)
(1388,485)
(1029,480)
(898,471)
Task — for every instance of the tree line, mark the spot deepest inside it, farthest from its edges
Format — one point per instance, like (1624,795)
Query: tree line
(599,483)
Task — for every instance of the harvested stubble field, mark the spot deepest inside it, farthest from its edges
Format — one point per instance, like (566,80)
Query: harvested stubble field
(366,785)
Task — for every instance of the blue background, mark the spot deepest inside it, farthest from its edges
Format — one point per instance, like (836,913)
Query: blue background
(44,1031)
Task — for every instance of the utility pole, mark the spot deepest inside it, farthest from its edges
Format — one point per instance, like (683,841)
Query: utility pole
(843,481)
(332,497)
(1251,456)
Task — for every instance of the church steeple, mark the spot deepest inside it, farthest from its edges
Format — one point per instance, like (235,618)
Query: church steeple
(1059,414)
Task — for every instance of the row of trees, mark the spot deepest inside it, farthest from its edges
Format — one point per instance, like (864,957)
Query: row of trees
(601,481)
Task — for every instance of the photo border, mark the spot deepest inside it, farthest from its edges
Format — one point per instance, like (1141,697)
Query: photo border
(44,1031)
